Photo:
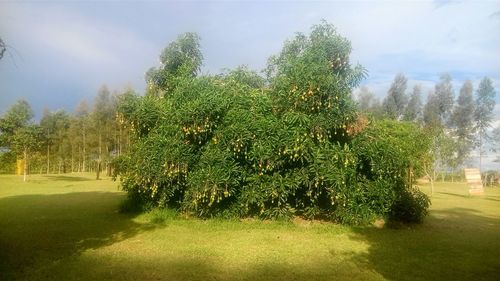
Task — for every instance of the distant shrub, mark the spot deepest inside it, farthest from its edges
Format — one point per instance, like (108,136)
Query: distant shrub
(410,206)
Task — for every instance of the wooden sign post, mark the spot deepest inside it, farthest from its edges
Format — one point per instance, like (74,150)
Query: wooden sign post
(473,177)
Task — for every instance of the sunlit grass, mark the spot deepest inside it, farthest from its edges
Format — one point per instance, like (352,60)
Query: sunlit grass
(68,228)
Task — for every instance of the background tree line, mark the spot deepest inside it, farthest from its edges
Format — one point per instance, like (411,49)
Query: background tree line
(94,134)
(60,142)
(457,125)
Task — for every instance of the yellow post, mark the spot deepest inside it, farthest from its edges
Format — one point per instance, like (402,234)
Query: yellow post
(19,167)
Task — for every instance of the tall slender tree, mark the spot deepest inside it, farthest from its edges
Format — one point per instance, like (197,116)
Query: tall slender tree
(47,128)
(413,110)
(368,102)
(55,125)
(483,114)
(445,98)
(395,102)
(82,120)
(431,113)
(436,117)
(462,122)
(439,106)
(103,118)
(495,137)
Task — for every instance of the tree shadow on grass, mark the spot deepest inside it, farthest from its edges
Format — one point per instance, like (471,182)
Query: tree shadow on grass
(198,266)
(68,178)
(43,229)
(492,198)
(42,233)
(452,244)
(454,194)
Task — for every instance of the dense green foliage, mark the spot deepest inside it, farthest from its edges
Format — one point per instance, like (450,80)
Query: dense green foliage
(231,145)
(17,117)
(18,136)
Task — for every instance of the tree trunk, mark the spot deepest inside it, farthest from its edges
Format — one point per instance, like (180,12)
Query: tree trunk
(25,168)
(430,174)
(481,156)
(120,142)
(72,161)
(100,157)
(432,187)
(480,152)
(84,145)
(116,143)
(48,159)
(432,182)
(98,170)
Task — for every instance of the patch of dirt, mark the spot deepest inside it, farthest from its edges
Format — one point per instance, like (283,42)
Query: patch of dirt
(300,221)
(380,223)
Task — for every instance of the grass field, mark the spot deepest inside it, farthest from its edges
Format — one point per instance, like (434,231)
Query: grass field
(67,227)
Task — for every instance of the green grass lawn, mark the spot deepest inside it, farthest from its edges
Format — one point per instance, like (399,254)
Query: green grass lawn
(67,227)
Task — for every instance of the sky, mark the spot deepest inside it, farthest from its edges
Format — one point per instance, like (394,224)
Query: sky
(61,52)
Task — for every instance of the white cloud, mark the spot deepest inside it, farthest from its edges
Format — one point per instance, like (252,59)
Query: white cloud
(68,40)
(74,41)
(102,45)
(417,37)
(57,30)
